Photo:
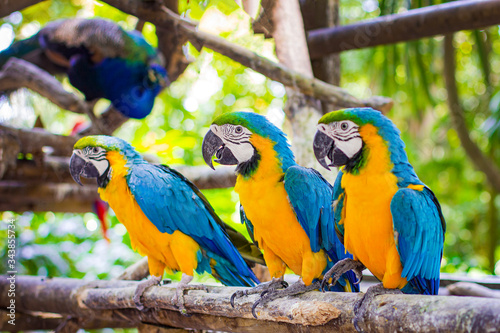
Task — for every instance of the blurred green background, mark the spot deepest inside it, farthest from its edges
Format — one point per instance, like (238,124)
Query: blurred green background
(71,245)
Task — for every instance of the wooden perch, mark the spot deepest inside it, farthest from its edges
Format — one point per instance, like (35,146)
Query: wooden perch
(472,289)
(313,311)
(164,17)
(71,198)
(414,24)
(18,73)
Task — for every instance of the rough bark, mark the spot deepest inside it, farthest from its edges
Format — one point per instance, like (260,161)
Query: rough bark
(320,14)
(136,272)
(18,73)
(473,151)
(413,24)
(9,6)
(70,198)
(313,87)
(312,312)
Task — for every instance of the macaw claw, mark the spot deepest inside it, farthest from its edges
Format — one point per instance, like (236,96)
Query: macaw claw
(341,267)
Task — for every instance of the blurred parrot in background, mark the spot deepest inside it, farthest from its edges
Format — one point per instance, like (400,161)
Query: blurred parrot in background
(167,217)
(385,216)
(101,60)
(287,208)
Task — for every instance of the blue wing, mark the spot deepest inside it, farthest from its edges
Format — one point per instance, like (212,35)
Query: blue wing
(170,202)
(311,198)
(338,206)
(419,232)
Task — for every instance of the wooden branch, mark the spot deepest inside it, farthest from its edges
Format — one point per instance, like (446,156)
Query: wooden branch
(136,272)
(320,14)
(50,321)
(71,198)
(206,178)
(480,160)
(18,73)
(9,6)
(313,311)
(34,141)
(472,289)
(414,24)
(311,87)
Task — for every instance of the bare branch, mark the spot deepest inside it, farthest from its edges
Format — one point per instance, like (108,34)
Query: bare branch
(312,87)
(72,198)
(472,289)
(476,155)
(414,24)
(9,6)
(136,272)
(313,311)
(18,73)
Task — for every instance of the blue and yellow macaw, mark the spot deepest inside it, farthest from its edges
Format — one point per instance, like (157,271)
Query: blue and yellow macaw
(386,217)
(287,208)
(166,216)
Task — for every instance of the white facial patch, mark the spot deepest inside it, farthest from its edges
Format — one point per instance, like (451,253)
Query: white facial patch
(345,134)
(96,156)
(237,139)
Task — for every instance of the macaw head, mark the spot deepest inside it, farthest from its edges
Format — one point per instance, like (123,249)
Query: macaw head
(90,157)
(241,138)
(342,136)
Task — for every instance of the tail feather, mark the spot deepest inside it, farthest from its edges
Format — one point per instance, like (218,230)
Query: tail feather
(19,49)
(229,275)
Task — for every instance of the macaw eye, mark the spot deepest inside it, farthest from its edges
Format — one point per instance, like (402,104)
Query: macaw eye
(95,150)
(344,126)
(238,129)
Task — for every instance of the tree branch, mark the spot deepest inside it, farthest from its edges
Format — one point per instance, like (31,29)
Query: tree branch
(313,311)
(312,87)
(71,198)
(413,24)
(476,155)
(18,73)
(9,6)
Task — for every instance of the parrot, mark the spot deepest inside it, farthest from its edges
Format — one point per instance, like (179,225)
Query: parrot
(287,208)
(101,59)
(385,215)
(167,217)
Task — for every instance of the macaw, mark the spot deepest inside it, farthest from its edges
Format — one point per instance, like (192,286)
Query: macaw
(167,217)
(101,60)
(286,208)
(385,216)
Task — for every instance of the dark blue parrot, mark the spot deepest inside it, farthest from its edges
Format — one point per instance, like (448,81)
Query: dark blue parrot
(101,60)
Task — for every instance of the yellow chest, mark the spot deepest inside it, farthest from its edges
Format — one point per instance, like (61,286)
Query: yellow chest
(175,251)
(367,218)
(264,198)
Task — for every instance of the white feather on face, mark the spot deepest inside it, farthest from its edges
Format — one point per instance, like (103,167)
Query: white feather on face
(236,138)
(345,135)
(96,156)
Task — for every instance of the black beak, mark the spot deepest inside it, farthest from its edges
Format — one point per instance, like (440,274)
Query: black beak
(79,167)
(323,146)
(212,144)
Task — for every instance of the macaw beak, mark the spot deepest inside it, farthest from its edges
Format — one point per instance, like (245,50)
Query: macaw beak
(212,144)
(323,147)
(79,167)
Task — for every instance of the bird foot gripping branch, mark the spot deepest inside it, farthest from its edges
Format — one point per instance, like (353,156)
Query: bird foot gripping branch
(341,267)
